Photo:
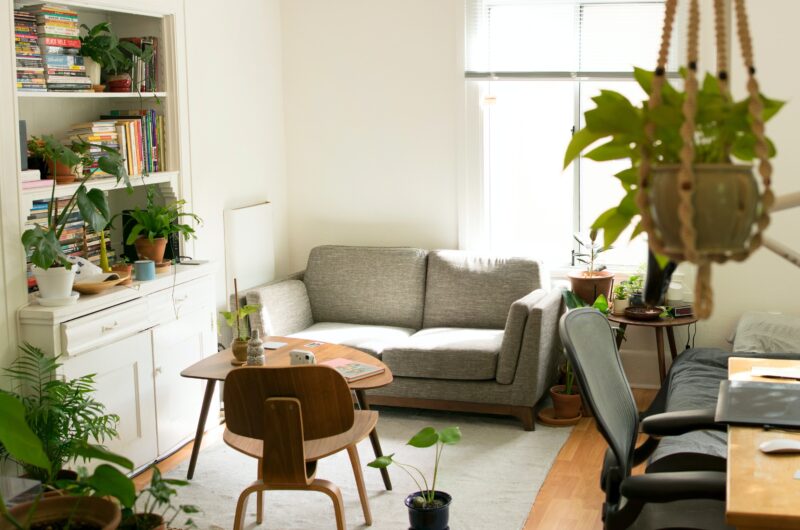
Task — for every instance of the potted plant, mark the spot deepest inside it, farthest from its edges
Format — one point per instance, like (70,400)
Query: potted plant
(155,501)
(101,49)
(153,224)
(428,509)
(82,503)
(595,280)
(61,412)
(240,332)
(566,399)
(123,267)
(51,267)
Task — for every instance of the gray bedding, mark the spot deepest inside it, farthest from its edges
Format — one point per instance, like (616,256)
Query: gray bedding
(693,383)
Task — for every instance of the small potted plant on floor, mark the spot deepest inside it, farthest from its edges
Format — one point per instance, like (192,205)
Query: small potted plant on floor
(566,399)
(595,280)
(51,267)
(157,509)
(428,509)
(153,224)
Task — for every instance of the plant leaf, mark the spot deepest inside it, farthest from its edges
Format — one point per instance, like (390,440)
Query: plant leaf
(382,461)
(96,452)
(15,435)
(93,207)
(450,435)
(108,480)
(580,141)
(424,438)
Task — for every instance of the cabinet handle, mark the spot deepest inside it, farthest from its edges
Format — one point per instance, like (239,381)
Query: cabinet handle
(158,371)
(109,327)
(182,299)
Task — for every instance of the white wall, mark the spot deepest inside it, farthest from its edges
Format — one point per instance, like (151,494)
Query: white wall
(236,120)
(371,92)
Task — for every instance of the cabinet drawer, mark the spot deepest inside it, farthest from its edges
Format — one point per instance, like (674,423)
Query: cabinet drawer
(170,304)
(104,327)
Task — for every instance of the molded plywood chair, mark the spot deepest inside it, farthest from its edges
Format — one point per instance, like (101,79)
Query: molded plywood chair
(289,418)
(674,498)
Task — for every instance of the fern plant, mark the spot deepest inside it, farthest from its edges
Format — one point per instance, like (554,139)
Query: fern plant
(61,412)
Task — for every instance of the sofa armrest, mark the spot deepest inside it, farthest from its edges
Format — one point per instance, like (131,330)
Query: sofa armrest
(285,307)
(512,335)
(540,351)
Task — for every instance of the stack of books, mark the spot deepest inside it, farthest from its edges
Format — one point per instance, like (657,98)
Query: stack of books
(141,139)
(144,74)
(98,133)
(58,41)
(30,72)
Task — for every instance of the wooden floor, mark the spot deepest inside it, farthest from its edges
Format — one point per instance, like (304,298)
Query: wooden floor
(570,497)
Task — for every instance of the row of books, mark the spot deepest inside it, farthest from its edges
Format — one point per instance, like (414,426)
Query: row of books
(141,138)
(57,31)
(76,239)
(144,74)
(30,72)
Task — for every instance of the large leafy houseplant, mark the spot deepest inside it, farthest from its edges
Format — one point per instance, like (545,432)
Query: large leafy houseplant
(61,412)
(723,133)
(42,241)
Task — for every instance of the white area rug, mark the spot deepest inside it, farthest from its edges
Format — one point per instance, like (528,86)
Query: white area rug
(493,474)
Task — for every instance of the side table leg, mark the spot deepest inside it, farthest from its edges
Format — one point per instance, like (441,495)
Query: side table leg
(621,335)
(673,350)
(201,424)
(660,346)
(373,438)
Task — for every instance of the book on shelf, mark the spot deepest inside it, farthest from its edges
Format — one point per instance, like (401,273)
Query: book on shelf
(34,184)
(30,175)
(29,66)
(144,74)
(353,370)
(144,145)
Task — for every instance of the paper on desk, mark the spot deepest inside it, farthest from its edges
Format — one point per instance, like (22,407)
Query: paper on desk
(774,372)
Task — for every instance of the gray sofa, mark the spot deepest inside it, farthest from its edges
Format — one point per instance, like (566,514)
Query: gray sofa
(459,331)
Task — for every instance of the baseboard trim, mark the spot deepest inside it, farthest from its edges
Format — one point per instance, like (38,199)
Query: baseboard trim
(522,413)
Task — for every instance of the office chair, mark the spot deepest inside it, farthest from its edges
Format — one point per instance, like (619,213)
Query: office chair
(667,499)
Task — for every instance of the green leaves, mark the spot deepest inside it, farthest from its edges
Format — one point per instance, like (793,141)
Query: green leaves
(108,480)
(160,221)
(450,435)
(96,452)
(614,114)
(17,438)
(44,247)
(424,438)
(93,207)
(580,141)
(382,461)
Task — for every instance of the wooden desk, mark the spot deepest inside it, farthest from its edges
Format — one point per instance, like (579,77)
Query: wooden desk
(659,325)
(762,491)
(216,368)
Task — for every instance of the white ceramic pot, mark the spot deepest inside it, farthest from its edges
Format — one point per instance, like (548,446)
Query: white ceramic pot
(92,70)
(619,306)
(55,282)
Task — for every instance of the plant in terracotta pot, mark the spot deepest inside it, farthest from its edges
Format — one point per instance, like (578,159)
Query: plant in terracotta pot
(624,293)
(566,399)
(428,509)
(153,507)
(123,267)
(717,180)
(51,267)
(590,283)
(61,412)
(153,224)
(234,320)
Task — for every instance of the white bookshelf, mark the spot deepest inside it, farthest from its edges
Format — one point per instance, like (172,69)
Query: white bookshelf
(90,95)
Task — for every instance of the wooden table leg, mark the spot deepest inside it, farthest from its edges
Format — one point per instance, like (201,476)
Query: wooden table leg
(673,350)
(373,438)
(201,425)
(662,371)
(621,335)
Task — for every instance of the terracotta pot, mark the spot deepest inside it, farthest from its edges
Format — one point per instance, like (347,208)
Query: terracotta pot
(567,406)
(119,83)
(144,521)
(58,169)
(725,205)
(588,288)
(239,348)
(124,269)
(152,250)
(95,510)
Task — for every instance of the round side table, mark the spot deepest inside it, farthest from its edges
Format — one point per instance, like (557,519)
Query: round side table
(658,325)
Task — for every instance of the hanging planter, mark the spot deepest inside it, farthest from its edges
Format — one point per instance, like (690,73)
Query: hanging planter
(686,186)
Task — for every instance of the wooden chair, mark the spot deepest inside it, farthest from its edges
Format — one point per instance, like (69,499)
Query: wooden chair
(289,418)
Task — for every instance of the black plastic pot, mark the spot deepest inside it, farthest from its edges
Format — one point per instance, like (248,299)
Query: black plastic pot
(431,519)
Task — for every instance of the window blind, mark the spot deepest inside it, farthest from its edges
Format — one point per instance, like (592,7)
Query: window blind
(529,37)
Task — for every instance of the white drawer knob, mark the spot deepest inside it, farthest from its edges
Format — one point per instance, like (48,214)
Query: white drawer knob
(109,327)
(158,371)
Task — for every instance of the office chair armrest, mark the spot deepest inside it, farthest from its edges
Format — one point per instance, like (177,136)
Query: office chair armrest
(681,422)
(675,486)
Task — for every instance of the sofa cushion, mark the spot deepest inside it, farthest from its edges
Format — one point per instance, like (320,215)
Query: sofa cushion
(472,291)
(446,353)
(367,285)
(369,339)
(284,308)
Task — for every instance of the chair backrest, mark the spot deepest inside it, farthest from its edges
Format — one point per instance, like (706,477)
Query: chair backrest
(592,350)
(322,392)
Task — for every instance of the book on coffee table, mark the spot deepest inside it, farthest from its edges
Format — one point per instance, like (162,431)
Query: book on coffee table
(353,370)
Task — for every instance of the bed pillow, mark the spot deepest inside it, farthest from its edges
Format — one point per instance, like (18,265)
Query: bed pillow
(767,333)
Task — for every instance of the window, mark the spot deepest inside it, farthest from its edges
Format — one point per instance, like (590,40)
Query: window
(532,68)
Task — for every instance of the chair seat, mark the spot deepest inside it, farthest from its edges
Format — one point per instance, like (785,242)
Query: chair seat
(363,424)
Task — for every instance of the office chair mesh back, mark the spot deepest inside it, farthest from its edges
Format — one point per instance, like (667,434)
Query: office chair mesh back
(592,350)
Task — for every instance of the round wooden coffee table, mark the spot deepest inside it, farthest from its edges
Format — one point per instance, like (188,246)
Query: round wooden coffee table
(658,325)
(216,367)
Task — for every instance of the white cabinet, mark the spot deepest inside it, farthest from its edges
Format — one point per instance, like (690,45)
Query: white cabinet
(124,384)
(137,340)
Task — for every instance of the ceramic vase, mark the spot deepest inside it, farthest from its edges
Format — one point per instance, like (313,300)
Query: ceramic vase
(255,350)
(55,282)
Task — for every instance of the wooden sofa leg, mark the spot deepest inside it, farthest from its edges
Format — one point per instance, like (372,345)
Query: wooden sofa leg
(525,415)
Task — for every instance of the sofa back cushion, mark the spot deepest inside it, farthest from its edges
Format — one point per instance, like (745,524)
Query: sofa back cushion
(473,291)
(367,285)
